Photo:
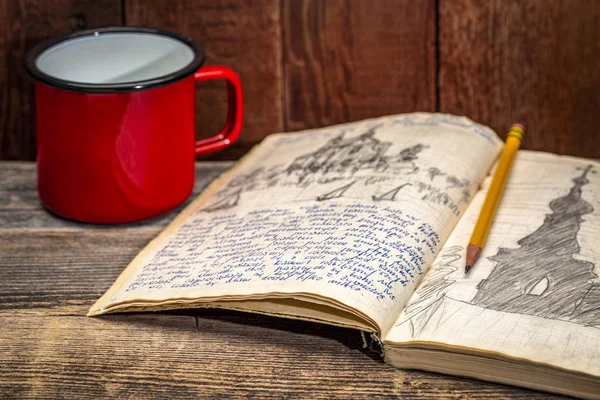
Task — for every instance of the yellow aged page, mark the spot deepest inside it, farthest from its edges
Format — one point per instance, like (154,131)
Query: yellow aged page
(348,217)
(535,293)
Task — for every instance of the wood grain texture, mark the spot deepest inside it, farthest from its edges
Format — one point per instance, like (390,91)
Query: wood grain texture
(50,277)
(23,24)
(346,60)
(532,61)
(20,206)
(54,267)
(312,63)
(243,35)
(210,355)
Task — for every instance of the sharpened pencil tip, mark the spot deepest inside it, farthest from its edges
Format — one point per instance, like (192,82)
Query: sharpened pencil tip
(473,252)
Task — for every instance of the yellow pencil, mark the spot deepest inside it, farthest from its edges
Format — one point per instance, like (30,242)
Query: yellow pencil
(486,216)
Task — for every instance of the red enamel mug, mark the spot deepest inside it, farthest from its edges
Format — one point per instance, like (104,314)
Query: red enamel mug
(116,121)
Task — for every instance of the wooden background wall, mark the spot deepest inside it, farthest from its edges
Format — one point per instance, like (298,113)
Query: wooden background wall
(310,63)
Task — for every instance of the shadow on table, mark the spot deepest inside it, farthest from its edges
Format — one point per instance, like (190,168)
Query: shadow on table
(258,328)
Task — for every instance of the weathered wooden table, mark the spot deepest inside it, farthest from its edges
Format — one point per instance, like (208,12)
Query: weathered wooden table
(52,270)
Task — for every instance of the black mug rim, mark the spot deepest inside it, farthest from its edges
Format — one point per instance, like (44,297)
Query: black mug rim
(37,74)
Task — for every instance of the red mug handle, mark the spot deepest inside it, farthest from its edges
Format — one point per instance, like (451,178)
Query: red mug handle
(235,110)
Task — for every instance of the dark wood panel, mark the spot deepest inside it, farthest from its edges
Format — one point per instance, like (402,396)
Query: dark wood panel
(346,60)
(243,35)
(24,23)
(532,61)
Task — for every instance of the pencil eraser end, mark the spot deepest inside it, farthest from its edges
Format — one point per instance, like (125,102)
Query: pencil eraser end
(519,126)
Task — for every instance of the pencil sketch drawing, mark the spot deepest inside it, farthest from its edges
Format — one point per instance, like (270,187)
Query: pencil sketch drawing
(344,165)
(431,294)
(542,277)
(335,194)
(226,202)
(258,179)
(391,194)
(340,156)
(454,182)
(432,172)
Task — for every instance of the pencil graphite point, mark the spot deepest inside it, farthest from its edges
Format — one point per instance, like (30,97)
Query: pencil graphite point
(473,252)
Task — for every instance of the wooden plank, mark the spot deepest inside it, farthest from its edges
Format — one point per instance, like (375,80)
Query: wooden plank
(20,206)
(49,279)
(24,24)
(347,60)
(18,186)
(530,61)
(217,354)
(53,269)
(243,35)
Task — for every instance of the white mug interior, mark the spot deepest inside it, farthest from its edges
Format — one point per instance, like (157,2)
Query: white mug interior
(115,58)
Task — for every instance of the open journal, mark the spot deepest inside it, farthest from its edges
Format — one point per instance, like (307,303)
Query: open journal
(365,225)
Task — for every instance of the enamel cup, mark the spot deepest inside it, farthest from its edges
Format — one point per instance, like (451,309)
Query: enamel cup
(115,121)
